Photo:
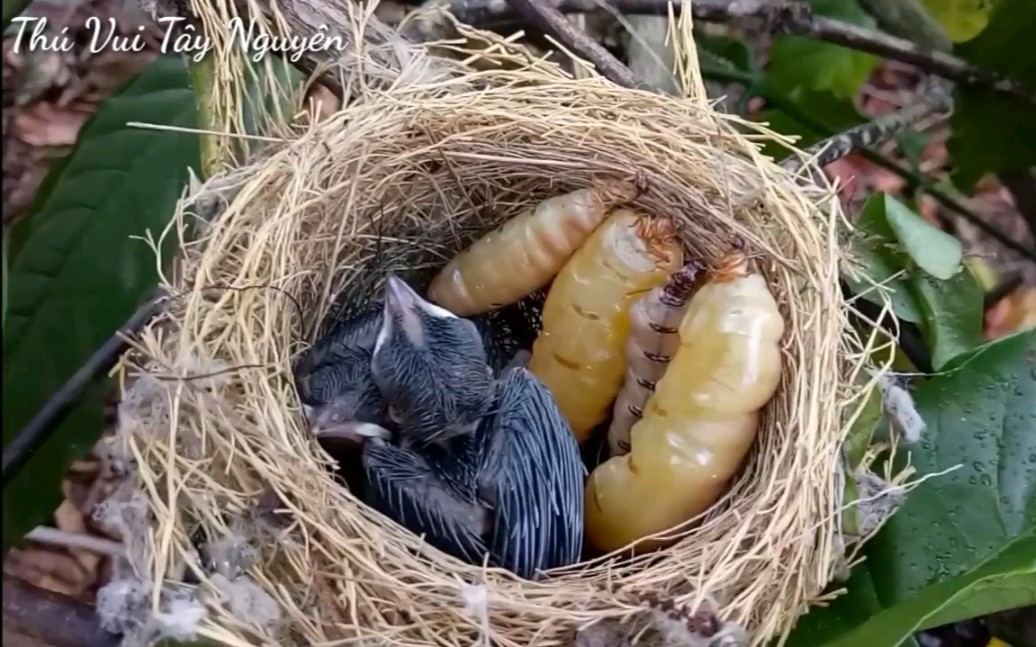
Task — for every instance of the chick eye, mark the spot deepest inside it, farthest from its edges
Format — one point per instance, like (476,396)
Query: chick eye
(395,415)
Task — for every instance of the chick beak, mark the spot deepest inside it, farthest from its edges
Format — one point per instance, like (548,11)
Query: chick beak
(406,306)
(328,421)
(351,430)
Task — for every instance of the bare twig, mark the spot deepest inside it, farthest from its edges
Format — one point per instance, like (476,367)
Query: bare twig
(1022,186)
(873,132)
(780,16)
(56,409)
(76,540)
(545,16)
(909,19)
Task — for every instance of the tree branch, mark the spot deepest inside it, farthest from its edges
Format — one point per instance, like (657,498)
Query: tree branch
(914,180)
(910,20)
(1022,187)
(873,132)
(778,16)
(545,16)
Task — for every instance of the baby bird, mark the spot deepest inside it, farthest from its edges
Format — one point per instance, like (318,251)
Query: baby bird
(335,383)
(431,367)
(506,483)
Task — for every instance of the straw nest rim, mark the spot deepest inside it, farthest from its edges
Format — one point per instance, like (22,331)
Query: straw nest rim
(400,180)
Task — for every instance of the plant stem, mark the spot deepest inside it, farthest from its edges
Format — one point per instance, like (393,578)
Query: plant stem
(76,540)
(545,16)
(203,77)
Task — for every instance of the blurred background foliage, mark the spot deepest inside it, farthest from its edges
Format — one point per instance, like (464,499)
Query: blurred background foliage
(945,211)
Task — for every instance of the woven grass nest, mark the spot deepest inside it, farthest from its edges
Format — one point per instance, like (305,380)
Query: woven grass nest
(401,180)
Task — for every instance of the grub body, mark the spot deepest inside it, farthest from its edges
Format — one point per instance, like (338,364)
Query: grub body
(654,323)
(525,253)
(701,420)
(579,354)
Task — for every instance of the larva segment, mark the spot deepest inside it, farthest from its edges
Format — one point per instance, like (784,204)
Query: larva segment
(654,321)
(701,420)
(578,355)
(525,253)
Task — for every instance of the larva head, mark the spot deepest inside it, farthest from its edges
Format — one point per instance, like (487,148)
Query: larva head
(732,265)
(431,367)
(659,234)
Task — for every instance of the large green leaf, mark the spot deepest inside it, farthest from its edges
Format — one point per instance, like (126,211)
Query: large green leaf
(934,251)
(797,62)
(78,275)
(880,259)
(953,313)
(990,131)
(962,19)
(964,541)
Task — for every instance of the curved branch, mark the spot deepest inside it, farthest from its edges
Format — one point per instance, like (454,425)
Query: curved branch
(778,16)
(548,18)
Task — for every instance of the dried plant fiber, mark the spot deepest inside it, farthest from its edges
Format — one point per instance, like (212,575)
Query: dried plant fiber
(400,179)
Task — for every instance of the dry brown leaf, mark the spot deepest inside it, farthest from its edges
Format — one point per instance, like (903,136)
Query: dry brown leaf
(45,124)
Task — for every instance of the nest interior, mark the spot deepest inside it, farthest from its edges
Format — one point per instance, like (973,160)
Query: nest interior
(401,183)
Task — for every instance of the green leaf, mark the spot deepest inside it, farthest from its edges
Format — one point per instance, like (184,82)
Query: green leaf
(826,114)
(78,275)
(990,131)
(934,251)
(880,259)
(964,541)
(860,434)
(735,51)
(797,62)
(962,19)
(993,594)
(913,143)
(953,314)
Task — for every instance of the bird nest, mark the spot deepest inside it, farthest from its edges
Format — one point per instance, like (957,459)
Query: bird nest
(400,180)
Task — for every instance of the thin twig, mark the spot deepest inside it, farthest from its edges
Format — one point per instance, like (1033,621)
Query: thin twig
(914,180)
(873,132)
(76,540)
(1021,184)
(780,16)
(31,437)
(545,16)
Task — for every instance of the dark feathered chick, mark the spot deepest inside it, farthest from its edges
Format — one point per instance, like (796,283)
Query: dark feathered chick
(511,494)
(335,382)
(531,476)
(483,467)
(431,367)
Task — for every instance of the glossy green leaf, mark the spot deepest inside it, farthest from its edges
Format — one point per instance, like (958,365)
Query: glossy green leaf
(913,144)
(79,275)
(797,62)
(952,312)
(960,533)
(1017,589)
(934,250)
(962,19)
(880,258)
(735,51)
(991,131)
